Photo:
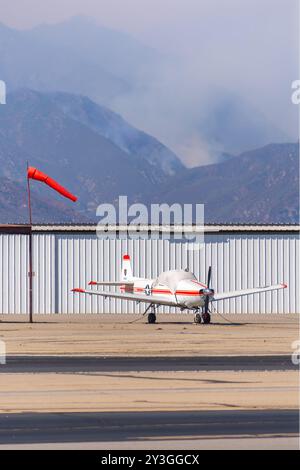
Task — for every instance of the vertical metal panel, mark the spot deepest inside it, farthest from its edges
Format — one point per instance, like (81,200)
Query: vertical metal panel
(13,274)
(44,274)
(63,261)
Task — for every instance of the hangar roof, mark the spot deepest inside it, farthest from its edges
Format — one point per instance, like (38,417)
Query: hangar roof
(92,228)
(177,228)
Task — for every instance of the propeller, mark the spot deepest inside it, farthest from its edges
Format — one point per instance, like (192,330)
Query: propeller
(208,277)
(208,291)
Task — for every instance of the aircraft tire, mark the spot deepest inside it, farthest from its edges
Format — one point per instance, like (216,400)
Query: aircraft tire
(197,318)
(206,318)
(151,318)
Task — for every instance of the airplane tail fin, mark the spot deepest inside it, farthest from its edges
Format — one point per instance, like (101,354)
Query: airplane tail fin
(126,272)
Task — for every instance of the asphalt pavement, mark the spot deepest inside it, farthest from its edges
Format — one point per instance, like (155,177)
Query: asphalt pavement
(75,364)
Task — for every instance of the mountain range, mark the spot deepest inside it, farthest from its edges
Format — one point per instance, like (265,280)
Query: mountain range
(98,156)
(259,186)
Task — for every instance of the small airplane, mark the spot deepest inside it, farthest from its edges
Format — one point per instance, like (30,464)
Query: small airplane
(176,288)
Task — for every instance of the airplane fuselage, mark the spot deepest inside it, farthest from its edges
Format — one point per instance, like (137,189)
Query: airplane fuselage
(186,295)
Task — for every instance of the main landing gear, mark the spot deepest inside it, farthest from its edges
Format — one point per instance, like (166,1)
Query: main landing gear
(203,317)
(152,314)
(152,317)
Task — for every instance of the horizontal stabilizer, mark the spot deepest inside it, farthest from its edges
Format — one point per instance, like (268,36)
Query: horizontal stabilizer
(124,283)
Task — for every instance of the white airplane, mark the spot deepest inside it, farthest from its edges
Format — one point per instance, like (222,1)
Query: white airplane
(175,288)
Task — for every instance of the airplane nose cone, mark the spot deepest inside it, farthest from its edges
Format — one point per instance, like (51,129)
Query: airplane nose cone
(208,292)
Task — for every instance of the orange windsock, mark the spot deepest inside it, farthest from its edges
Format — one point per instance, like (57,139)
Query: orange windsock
(33,173)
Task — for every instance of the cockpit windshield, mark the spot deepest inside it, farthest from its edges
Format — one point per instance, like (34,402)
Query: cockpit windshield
(171,279)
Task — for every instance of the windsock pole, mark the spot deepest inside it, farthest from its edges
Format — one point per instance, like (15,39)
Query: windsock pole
(30,272)
(35,174)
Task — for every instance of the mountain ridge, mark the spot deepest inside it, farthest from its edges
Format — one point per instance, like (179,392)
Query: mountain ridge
(258,186)
(98,157)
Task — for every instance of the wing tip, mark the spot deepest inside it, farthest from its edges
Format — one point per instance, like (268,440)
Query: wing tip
(93,283)
(284,285)
(78,290)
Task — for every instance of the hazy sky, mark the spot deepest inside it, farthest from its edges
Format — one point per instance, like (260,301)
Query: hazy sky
(247,46)
(163,23)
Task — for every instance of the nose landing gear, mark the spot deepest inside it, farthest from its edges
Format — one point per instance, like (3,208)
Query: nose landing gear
(204,318)
(208,292)
(197,318)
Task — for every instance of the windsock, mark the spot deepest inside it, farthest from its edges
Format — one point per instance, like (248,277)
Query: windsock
(33,173)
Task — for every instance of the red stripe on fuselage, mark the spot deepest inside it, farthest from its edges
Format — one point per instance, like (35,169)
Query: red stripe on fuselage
(166,292)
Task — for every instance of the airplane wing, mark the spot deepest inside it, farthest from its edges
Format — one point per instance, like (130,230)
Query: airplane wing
(124,283)
(241,293)
(150,299)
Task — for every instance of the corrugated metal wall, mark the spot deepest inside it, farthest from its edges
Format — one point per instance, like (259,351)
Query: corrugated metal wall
(13,273)
(62,262)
